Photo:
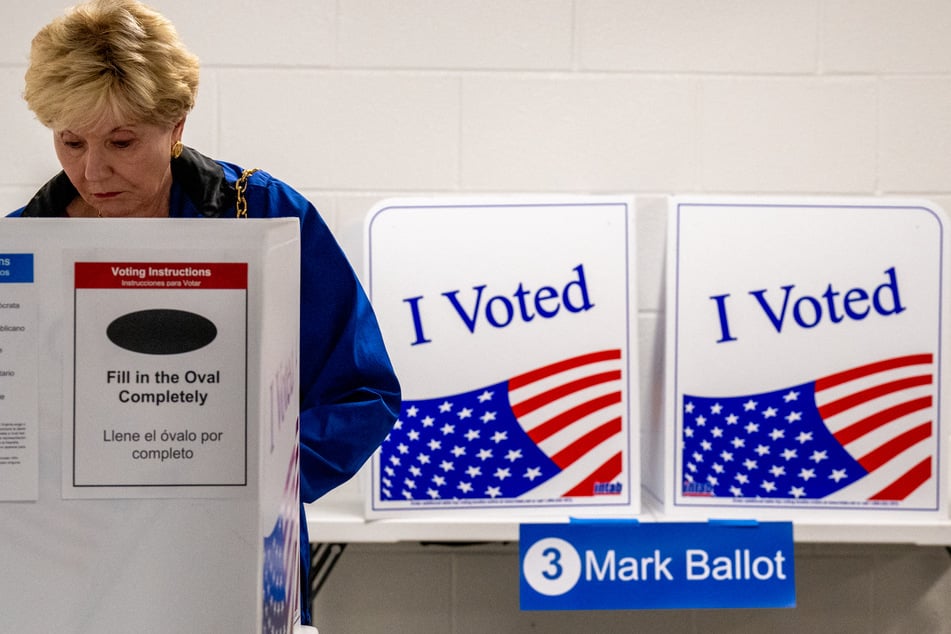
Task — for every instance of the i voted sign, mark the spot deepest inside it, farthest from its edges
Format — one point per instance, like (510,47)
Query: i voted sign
(510,323)
(805,354)
(605,565)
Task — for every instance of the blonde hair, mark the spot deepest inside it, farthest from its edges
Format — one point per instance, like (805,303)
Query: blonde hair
(110,57)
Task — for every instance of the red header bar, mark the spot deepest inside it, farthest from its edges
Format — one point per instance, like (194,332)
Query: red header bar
(162,275)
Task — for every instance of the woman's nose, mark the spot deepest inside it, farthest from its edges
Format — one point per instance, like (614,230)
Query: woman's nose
(97,165)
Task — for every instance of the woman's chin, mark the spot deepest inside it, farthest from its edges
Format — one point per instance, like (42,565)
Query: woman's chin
(124,211)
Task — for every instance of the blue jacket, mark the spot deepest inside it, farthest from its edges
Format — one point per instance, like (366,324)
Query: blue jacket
(350,396)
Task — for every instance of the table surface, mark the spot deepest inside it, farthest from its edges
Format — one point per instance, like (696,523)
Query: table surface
(339,518)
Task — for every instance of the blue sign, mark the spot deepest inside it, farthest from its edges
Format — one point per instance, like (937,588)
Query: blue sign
(16,268)
(618,565)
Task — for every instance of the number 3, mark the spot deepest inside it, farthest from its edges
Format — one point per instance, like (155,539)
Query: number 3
(554,563)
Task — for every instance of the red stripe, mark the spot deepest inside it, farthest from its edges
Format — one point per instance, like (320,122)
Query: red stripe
(220,275)
(535,375)
(877,457)
(873,422)
(553,426)
(540,400)
(852,400)
(605,473)
(906,484)
(881,366)
(586,443)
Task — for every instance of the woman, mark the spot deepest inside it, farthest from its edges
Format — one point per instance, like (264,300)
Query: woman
(114,83)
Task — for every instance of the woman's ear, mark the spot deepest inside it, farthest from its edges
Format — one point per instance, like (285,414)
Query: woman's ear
(178,130)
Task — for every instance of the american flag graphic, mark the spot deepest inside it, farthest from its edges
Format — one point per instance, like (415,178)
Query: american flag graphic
(282,556)
(553,432)
(863,434)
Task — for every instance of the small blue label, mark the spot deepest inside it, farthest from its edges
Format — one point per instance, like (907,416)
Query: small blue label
(16,268)
(623,566)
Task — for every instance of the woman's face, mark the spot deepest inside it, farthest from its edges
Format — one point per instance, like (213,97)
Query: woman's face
(119,168)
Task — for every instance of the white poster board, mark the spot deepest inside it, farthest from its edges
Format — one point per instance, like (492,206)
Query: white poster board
(805,358)
(511,326)
(166,494)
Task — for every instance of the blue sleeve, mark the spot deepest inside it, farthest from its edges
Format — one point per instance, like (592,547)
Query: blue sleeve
(350,396)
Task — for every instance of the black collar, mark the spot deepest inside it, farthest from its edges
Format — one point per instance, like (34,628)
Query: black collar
(203,182)
(52,199)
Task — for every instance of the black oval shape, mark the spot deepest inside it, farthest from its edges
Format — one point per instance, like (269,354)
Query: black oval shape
(161,331)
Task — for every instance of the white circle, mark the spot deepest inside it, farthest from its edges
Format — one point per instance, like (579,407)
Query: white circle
(551,566)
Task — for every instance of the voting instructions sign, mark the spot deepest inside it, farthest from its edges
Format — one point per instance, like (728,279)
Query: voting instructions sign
(160,377)
(806,355)
(605,565)
(510,325)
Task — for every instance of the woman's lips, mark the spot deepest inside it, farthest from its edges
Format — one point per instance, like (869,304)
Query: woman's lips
(105,195)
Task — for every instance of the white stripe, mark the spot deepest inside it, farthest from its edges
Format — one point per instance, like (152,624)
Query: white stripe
(565,376)
(848,417)
(576,473)
(885,476)
(542,415)
(849,388)
(571,434)
(873,440)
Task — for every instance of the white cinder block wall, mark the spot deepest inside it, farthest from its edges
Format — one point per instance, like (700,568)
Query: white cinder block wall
(353,101)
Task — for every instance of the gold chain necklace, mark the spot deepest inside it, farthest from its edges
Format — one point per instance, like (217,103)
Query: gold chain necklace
(241,205)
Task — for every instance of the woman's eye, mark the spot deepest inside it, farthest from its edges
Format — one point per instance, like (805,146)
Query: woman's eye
(73,145)
(121,144)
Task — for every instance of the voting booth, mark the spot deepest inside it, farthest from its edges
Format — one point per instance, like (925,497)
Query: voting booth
(511,324)
(807,370)
(149,425)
